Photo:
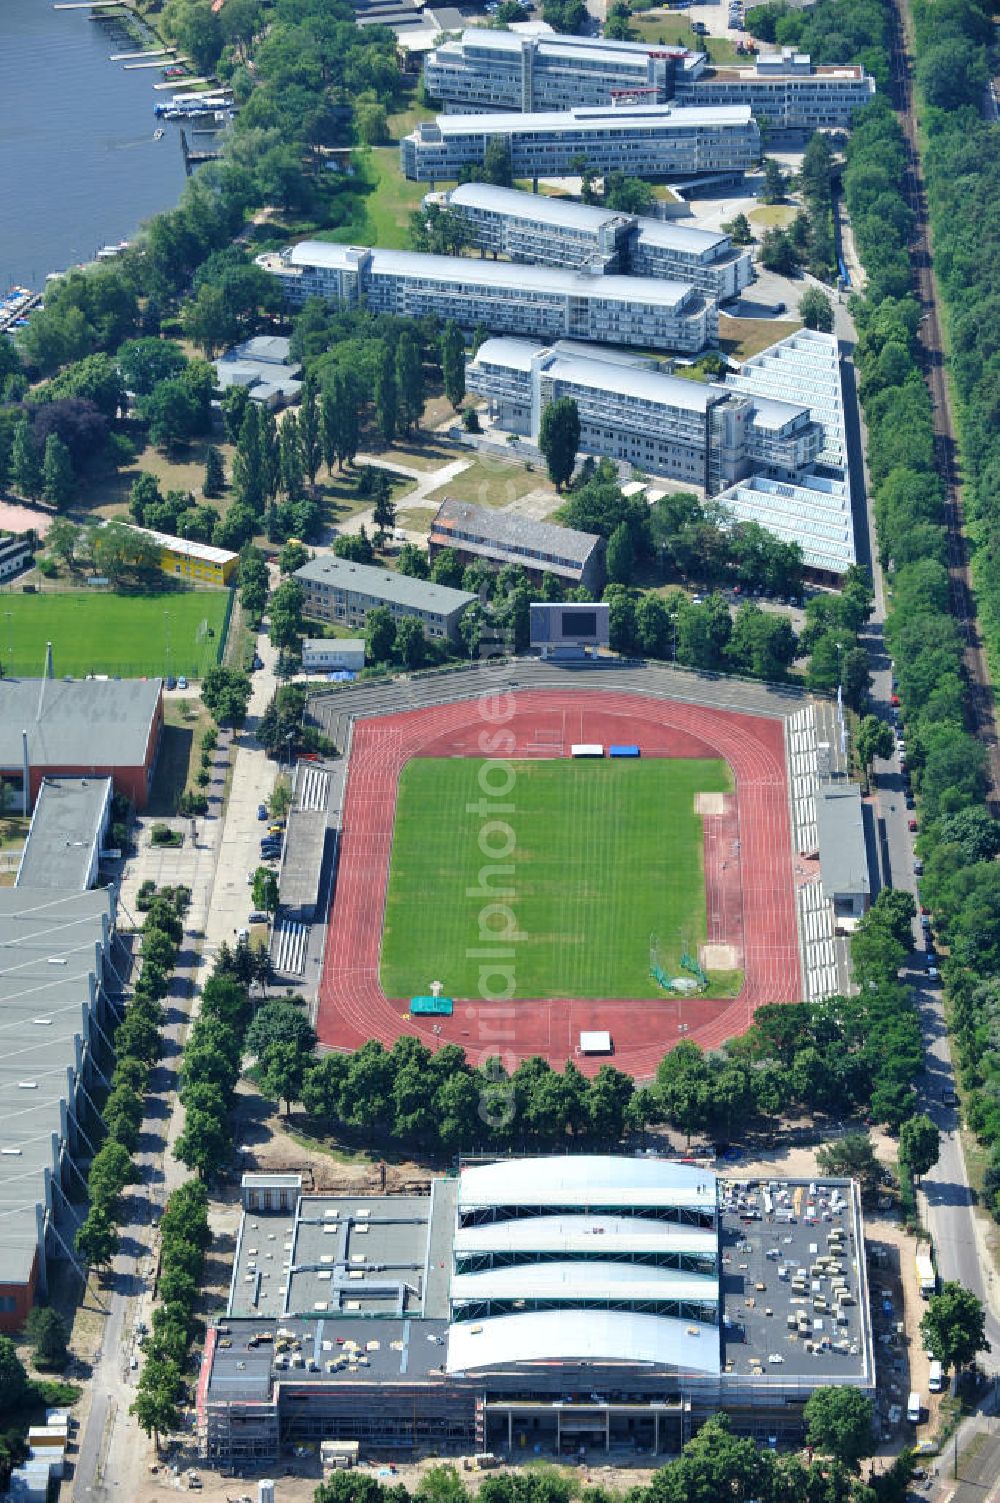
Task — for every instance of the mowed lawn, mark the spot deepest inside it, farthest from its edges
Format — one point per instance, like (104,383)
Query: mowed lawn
(606,855)
(133,636)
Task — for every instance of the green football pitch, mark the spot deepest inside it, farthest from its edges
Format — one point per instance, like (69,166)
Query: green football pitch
(606,855)
(133,636)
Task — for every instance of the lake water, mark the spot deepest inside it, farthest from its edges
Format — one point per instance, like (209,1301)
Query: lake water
(78,164)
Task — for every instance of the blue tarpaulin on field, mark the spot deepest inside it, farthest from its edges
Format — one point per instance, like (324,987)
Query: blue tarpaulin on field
(624,751)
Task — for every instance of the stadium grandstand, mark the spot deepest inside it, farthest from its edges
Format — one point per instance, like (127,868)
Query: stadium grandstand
(604,1303)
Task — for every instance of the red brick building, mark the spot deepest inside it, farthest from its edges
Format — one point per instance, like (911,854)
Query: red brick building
(82,728)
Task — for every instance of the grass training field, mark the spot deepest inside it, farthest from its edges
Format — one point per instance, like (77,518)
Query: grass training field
(129,635)
(606,855)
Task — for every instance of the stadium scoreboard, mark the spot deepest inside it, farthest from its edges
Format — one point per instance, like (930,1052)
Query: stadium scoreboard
(569,627)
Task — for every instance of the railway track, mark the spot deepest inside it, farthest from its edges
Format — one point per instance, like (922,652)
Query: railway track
(981,698)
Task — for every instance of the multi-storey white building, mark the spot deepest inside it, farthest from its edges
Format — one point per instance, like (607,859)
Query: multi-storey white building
(785,90)
(817,513)
(560,232)
(654,140)
(630,410)
(485,69)
(535,300)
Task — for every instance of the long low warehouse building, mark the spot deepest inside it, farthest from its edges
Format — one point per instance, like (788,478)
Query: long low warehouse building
(544,231)
(657,140)
(631,410)
(581,1301)
(57,1023)
(537,300)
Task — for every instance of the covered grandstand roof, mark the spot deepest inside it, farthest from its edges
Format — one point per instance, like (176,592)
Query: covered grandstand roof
(610,1337)
(588,1181)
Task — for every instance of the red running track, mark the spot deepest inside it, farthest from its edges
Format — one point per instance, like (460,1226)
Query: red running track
(352,1006)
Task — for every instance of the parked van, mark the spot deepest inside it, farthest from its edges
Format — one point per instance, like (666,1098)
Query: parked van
(914,1409)
(936,1380)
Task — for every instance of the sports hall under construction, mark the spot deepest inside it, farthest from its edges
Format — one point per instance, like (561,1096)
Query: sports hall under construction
(603,1305)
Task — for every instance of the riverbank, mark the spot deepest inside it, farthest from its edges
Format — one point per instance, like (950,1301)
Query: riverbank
(78,158)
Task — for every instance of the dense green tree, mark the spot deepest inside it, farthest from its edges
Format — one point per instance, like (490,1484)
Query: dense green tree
(496,168)
(873,738)
(49,1337)
(97,1238)
(57,473)
(453,364)
(279,1022)
(285,611)
(144,363)
(386,394)
(559,439)
(852,1157)
(156,1406)
(629,195)
(620,555)
(412,560)
(739,230)
(26,475)
(226,694)
(310,437)
(411,644)
(253,580)
(61,541)
(954,1326)
(839,1424)
(13,1376)
(774,185)
(292,557)
(265,889)
(283,1067)
(380,635)
(816,310)
(446,568)
(919,1144)
(215,473)
(778,253)
(290,458)
(171,414)
(409,381)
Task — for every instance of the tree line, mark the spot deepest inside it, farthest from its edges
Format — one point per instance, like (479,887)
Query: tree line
(958,839)
(962,877)
(212,1061)
(184,1239)
(138,1046)
(845,1054)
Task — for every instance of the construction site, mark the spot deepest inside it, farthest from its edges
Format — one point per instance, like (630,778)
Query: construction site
(566,1305)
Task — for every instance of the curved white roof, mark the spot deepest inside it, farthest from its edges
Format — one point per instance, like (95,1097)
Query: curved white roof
(537,207)
(616,1338)
(572,1281)
(588,1180)
(584,1234)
